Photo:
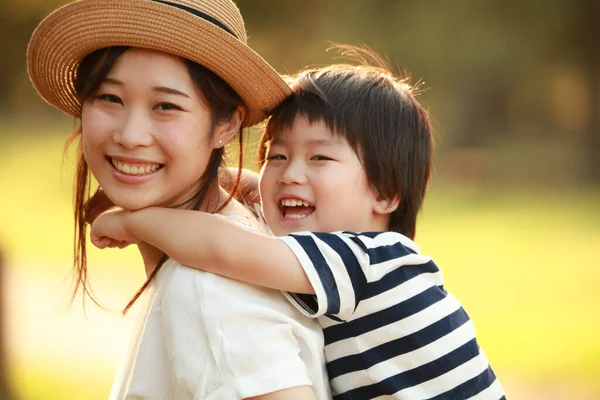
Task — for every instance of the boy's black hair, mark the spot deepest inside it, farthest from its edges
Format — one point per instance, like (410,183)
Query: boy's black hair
(381,120)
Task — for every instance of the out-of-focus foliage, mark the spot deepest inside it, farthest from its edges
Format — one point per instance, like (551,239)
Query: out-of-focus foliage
(498,75)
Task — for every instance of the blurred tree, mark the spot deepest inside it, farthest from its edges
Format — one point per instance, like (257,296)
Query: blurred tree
(586,38)
(490,64)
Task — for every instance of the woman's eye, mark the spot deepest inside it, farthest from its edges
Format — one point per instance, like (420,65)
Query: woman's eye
(167,107)
(320,158)
(110,98)
(274,157)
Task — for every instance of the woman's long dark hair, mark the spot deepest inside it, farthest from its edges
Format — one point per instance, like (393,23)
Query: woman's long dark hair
(222,101)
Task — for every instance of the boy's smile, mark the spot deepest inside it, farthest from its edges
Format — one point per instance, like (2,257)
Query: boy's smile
(312,180)
(295,208)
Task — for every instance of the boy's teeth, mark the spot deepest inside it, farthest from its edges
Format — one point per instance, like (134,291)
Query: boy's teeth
(134,169)
(296,216)
(294,203)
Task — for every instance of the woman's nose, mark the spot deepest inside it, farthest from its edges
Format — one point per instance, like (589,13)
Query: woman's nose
(135,130)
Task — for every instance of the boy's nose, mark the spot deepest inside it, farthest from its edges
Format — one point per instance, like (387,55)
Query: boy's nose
(293,174)
(135,131)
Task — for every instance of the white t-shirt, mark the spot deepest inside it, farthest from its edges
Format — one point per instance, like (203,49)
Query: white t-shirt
(203,336)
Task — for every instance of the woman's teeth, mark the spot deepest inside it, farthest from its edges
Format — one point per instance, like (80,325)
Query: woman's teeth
(129,169)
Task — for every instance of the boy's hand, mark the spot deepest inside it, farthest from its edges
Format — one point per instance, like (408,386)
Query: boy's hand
(109,230)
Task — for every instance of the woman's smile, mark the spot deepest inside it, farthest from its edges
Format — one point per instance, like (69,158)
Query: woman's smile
(142,152)
(133,172)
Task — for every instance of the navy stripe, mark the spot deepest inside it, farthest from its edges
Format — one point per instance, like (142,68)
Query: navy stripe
(399,346)
(470,388)
(355,272)
(417,375)
(397,277)
(392,252)
(327,280)
(199,14)
(371,235)
(385,317)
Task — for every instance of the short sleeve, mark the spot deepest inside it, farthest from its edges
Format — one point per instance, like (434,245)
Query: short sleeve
(337,267)
(254,339)
(340,267)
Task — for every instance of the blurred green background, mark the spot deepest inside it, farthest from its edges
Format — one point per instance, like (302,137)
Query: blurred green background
(512,216)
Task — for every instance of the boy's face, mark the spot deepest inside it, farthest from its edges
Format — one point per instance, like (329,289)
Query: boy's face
(313,181)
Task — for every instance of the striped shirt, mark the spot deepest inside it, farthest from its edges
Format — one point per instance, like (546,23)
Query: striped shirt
(391,330)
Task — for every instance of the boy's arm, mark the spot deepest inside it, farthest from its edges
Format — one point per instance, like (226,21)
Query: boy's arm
(213,244)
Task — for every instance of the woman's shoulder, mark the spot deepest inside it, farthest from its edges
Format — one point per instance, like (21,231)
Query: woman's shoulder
(243,215)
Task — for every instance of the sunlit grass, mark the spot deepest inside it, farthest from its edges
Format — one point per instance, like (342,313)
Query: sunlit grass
(31,383)
(524,263)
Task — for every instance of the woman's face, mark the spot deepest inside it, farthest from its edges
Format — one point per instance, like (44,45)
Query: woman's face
(146,133)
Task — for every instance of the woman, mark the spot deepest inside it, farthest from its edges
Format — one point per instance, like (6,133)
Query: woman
(160,87)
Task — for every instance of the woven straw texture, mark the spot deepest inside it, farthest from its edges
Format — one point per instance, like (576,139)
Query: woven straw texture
(73,31)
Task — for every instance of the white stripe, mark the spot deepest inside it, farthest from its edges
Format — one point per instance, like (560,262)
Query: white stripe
(389,239)
(398,294)
(447,381)
(359,379)
(408,361)
(396,330)
(492,392)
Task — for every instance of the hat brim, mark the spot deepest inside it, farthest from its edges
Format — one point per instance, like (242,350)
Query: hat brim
(66,36)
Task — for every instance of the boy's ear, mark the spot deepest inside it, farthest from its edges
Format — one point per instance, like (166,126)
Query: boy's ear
(384,206)
(225,131)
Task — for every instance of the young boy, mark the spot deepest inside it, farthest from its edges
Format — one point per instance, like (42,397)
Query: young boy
(345,166)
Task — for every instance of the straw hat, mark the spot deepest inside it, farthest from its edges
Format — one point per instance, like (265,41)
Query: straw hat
(208,32)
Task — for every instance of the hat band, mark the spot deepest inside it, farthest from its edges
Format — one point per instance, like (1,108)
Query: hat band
(199,14)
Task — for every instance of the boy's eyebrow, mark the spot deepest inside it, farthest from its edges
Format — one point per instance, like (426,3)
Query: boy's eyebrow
(161,89)
(325,142)
(312,142)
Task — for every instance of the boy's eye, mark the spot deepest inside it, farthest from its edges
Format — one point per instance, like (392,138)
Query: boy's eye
(167,107)
(274,157)
(320,157)
(110,98)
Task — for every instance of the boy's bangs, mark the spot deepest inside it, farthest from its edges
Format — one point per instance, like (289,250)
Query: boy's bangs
(307,102)
(310,104)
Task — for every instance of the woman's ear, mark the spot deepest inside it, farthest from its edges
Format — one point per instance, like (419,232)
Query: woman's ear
(226,130)
(383,206)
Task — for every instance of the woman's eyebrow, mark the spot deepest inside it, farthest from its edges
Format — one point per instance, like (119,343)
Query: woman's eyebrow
(112,81)
(164,89)
(161,89)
